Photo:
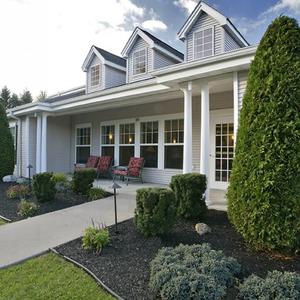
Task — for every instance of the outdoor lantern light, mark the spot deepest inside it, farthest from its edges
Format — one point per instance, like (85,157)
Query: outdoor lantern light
(29,167)
(110,136)
(115,186)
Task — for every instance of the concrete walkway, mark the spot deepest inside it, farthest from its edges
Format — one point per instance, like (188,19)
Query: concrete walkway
(30,237)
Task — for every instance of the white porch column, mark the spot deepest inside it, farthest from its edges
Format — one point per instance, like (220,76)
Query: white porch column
(44,144)
(235,104)
(137,150)
(27,144)
(188,127)
(205,143)
(38,143)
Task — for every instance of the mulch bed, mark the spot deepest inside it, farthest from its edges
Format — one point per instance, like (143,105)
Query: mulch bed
(124,265)
(9,207)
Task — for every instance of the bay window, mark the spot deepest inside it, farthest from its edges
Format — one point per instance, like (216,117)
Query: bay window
(173,145)
(127,140)
(83,144)
(149,143)
(108,140)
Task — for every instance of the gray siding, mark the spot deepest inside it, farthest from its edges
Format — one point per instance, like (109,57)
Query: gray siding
(230,43)
(139,44)
(204,20)
(114,77)
(161,60)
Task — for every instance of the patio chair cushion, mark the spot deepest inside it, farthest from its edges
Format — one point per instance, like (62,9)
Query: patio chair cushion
(120,172)
(92,162)
(135,165)
(104,164)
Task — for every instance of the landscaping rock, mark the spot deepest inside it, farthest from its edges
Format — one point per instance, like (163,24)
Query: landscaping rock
(22,180)
(9,178)
(202,228)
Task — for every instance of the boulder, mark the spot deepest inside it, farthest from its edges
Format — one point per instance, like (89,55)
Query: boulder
(202,228)
(9,178)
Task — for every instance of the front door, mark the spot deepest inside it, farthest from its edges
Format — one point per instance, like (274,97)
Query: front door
(222,149)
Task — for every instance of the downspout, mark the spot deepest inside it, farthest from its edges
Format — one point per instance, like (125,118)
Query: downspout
(19,145)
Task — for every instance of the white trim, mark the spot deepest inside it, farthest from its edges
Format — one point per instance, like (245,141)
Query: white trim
(235,103)
(213,41)
(27,145)
(146,61)
(78,126)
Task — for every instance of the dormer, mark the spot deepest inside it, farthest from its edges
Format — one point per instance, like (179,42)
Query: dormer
(145,53)
(103,70)
(207,32)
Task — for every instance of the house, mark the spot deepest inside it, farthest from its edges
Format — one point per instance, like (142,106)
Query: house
(178,111)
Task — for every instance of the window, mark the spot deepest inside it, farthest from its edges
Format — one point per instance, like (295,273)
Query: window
(174,144)
(127,140)
(108,140)
(149,143)
(203,43)
(83,144)
(139,62)
(95,75)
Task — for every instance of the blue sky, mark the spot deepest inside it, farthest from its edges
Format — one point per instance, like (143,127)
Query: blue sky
(44,42)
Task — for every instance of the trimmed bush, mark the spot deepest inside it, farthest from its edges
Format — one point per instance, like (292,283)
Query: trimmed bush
(61,182)
(96,193)
(264,190)
(27,209)
(7,155)
(192,272)
(83,181)
(189,192)
(19,191)
(277,285)
(155,211)
(43,187)
(95,238)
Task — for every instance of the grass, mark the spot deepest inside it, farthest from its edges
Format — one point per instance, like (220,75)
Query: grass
(48,277)
(2,222)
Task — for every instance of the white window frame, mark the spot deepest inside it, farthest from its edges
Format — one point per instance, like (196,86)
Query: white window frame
(213,42)
(146,61)
(91,75)
(101,134)
(150,144)
(79,126)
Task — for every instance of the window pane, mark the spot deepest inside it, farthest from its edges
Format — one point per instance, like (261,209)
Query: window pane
(150,154)
(108,151)
(173,157)
(174,131)
(126,152)
(82,154)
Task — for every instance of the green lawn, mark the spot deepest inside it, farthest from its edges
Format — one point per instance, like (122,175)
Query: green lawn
(2,222)
(48,277)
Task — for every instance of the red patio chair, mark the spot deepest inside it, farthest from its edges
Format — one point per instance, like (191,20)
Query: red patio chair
(104,166)
(91,163)
(134,169)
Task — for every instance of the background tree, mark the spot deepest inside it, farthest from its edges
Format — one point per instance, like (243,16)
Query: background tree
(4,96)
(6,146)
(42,96)
(25,97)
(13,101)
(264,190)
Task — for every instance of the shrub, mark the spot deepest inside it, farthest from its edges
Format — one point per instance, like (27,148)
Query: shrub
(7,155)
(27,209)
(189,192)
(61,182)
(44,187)
(83,181)
(155,212)
(18,191)
(192,272)
(96,193)
(277,285)
(263,195)
(95,238)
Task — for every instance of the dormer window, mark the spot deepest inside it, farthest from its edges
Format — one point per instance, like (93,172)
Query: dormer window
(139,62)
(203,43)
(95,75)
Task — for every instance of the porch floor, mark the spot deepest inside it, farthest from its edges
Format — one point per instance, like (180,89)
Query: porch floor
(216,197)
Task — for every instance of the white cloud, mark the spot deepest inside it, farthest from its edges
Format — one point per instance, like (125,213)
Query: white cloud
(154,25)
(188,5)
(45,42)
(291,5)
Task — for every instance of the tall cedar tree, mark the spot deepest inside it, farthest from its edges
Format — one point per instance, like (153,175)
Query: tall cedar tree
(264,190)
(13,101)
(6,146)
(25,97)
(5,97)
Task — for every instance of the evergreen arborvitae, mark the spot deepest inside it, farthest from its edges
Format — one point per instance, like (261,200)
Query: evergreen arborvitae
(5,97)
(6,146)
(25,97)
(13,101)
(264,190)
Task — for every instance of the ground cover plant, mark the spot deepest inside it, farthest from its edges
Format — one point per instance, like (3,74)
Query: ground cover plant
(2,222)
(264,190)
(20,191)
(27,209)
(96,193)
(48,277)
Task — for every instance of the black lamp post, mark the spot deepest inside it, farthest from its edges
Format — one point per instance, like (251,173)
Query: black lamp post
(115,186)
(29,167)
